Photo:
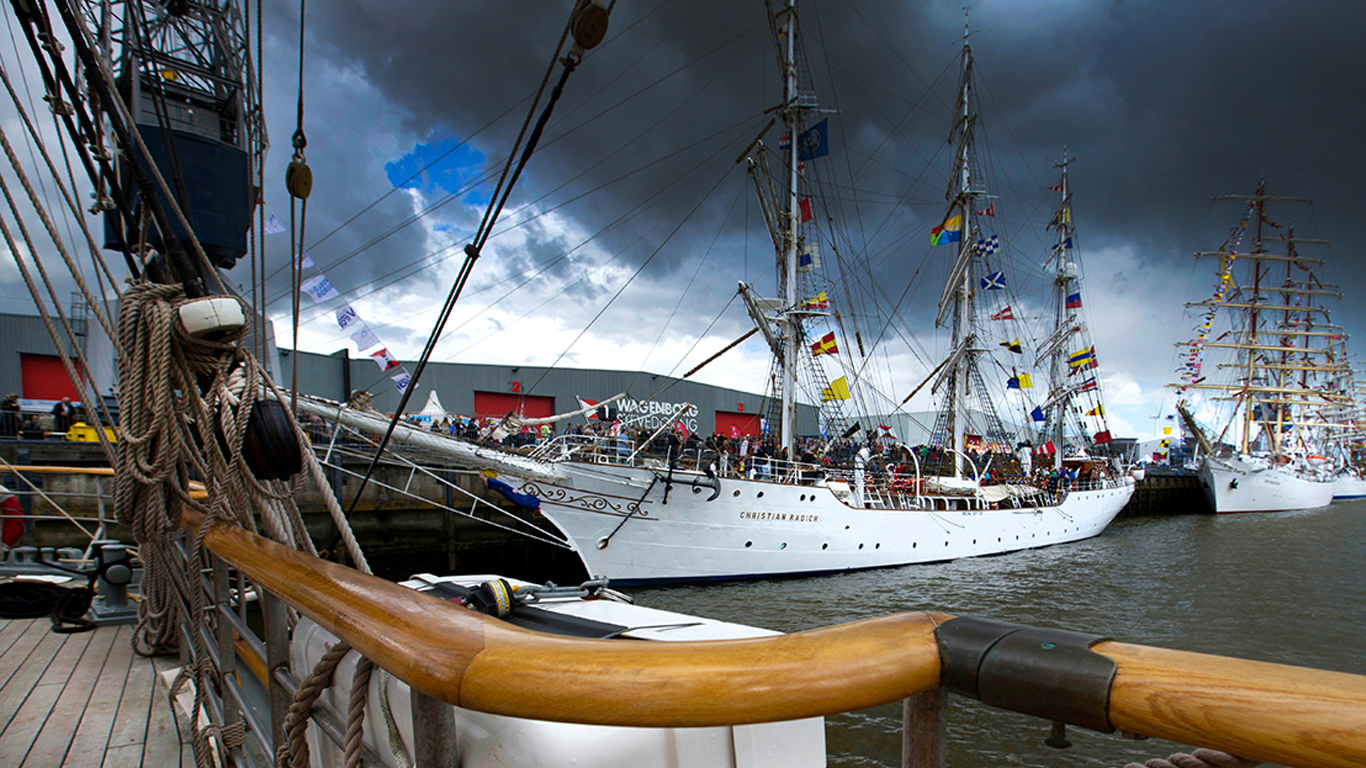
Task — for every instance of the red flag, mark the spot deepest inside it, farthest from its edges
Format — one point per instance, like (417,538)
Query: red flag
(1102,438)
(826,345)
(806,209)
(990,211)
(1057,188)
(1004,314)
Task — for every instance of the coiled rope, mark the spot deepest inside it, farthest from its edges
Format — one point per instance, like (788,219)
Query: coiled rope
(1200,758)
(186,404)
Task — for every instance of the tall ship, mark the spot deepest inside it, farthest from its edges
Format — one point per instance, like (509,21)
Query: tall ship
(1274,390)
(721,515)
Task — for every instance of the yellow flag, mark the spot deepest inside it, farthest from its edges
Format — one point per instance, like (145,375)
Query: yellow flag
(1166,430)
(838,390)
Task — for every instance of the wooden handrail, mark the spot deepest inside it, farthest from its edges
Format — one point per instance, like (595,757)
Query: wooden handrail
(1271,712)
(475,661)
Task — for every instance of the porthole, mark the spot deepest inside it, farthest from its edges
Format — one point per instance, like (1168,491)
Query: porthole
(759,495)
(846,527)
(803,498)
(946,543)
(783,545)
(737,492)
(974,541)
(749,544)
(913,545)
(825,545)
(860,546)
(877,545)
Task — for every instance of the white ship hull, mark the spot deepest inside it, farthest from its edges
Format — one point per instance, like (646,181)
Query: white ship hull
(1348,485)
(1245,484)
(756,528)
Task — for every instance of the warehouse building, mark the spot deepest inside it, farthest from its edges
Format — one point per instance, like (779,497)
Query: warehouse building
(33,368)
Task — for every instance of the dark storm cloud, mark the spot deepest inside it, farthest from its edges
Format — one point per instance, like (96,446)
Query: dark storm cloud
(1164,103)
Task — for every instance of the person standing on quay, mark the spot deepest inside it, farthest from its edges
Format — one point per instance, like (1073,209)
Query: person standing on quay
(62,413)
(9,416)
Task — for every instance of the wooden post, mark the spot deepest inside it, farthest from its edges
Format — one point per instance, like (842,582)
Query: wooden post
(922,730)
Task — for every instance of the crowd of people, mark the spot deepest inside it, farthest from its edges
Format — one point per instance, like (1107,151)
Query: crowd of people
(14,423)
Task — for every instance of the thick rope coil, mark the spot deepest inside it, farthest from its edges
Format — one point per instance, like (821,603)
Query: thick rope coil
(1200,758)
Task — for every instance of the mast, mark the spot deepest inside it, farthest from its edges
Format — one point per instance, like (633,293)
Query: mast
(788,267)
(962,198)
(1066,276)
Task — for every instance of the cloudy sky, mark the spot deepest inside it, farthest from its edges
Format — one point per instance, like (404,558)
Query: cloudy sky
(624,239)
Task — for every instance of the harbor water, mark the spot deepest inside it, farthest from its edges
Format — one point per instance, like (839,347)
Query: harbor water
(1286,587)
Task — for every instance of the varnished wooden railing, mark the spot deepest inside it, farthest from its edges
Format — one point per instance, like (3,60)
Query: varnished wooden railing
(1271,712)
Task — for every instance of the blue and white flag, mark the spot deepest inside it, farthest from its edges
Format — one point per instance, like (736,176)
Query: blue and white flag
(365,338)
(815,141)
(319,288)
(994,282)
(401,380)
(989,246)
(346,316)
(273,225)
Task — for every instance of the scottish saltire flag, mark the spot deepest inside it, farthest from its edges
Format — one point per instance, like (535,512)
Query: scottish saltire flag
(319,288)
(994,282)
(1074,300)
(951,231)
(815,141)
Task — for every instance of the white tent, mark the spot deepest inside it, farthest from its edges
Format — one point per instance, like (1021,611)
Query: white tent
(433,410)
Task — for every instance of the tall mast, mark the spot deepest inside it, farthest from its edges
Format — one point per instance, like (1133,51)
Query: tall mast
(1066,276)
(792,119)
(963,197)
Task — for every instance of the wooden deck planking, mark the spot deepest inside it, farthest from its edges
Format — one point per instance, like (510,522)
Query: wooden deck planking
(28,669)
(169,738)
(59,731)
(83,700)
(91,741)
(23,636)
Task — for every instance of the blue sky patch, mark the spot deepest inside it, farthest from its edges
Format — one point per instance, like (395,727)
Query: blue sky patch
(452,167)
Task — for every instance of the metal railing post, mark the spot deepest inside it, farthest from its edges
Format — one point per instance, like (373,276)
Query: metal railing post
(922,730)
(276,620)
